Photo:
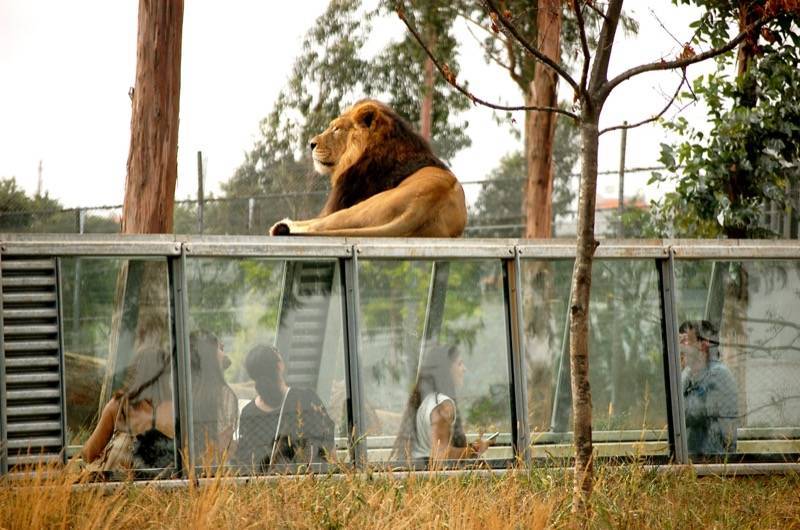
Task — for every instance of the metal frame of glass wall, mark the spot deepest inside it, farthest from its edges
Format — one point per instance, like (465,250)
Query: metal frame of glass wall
(177,250)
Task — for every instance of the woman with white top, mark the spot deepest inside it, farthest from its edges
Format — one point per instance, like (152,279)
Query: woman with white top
(431,428)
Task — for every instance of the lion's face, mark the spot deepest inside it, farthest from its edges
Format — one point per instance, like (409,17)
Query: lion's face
(328,147)
(345,139)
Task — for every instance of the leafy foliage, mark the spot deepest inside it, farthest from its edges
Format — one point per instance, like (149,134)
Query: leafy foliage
(751,154)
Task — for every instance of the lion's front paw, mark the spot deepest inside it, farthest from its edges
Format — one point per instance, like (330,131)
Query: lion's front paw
(281,228)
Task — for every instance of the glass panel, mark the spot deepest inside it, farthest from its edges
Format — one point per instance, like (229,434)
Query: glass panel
(626,369)
(741,396)
(466,311)
(118,355)
(262,330)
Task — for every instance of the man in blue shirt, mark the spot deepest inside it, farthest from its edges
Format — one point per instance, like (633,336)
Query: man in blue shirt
(709,391)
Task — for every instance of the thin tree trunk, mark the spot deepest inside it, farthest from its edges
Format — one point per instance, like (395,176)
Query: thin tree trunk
(541,127)
(153,154)
(426,111)
(579,315)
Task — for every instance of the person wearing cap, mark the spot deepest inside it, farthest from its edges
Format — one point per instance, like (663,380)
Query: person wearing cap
(709,391)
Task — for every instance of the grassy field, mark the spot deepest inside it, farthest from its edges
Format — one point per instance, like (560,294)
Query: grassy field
(625,497)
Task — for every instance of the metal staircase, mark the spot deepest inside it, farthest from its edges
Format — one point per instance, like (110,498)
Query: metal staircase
(306,308)
(32,397)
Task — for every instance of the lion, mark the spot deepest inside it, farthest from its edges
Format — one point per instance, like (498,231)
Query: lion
(385,181)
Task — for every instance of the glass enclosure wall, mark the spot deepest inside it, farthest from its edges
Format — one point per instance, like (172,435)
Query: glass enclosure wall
(118,355)
(267,356)
(740,356)
(268,364)
(433,336)
(626,367)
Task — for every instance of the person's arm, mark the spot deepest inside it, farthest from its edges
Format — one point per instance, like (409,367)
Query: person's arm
(442,418)
(102,432)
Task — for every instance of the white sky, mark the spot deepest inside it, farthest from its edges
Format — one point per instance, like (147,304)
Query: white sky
(67,68)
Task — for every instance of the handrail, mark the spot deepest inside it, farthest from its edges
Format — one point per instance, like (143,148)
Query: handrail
(388,248)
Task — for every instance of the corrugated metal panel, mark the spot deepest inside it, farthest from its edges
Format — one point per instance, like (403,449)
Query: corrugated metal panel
(32,378)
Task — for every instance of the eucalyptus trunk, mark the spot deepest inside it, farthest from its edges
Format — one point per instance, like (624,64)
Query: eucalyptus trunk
(153,154)
(579,314)
(540,127)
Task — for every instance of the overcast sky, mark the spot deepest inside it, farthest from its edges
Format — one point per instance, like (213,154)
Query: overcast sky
(67,68)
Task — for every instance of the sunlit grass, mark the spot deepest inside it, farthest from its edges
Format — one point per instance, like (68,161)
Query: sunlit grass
(625,497)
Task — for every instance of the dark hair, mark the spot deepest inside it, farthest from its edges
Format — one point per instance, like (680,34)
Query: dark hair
(703,330)
(261,364)
(148,377)
(434,375)
(208,385)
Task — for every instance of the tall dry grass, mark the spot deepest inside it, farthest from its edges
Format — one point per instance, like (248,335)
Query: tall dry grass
(625,497)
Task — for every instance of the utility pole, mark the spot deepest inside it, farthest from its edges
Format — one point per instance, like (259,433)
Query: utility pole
(620,203)
(39,181)
(200,192)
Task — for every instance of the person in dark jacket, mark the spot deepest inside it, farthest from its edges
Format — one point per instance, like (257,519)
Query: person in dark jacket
(282,424)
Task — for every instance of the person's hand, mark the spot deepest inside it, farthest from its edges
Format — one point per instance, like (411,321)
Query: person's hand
(480,446)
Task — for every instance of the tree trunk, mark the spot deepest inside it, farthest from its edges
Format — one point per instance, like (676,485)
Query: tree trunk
(579,314)
(152,172)
(426,111)
(540,128)
(153,154)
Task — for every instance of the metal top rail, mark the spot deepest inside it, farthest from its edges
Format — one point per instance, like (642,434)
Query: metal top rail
(387,248)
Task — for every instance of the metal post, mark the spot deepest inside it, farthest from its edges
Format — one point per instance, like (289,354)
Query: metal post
(517,366)
(672,363)
(621,202)
(251,205)
(350,301)
(562,398)
(182,381)
(200,193)
(434,311)
(3,406)
(62,383)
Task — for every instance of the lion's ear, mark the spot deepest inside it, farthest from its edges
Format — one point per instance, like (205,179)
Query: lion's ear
(366,115)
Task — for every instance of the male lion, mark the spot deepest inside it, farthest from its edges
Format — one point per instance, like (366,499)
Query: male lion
(385,181)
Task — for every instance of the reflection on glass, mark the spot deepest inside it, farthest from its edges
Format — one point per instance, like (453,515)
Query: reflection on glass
(626,370)
(283,424)
(709,391)
(294,309)
(118,345)
(748,380)
(425,327)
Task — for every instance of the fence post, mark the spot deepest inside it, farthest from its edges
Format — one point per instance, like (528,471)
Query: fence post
(199,192)
(251,204)
(620,203)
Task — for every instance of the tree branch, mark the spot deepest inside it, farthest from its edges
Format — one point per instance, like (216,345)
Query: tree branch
(653,118)
(683,62)
(604,45)
(596,10)
(584,42)
(490,53)
(450,77)
(508,28)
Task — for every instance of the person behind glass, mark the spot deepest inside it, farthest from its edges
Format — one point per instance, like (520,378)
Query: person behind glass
(136,428)
(282,424)
(431,428)
(215,409)
(709,391)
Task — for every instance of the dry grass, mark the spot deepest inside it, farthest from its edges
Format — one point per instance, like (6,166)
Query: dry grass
(625,497)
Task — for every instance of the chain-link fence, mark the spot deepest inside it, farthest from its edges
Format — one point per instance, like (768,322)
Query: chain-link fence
(253,215)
